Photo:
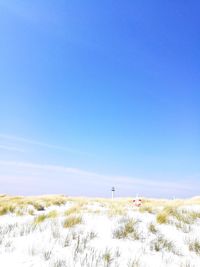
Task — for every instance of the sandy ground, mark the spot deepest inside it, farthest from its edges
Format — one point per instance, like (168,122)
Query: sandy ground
(108,234)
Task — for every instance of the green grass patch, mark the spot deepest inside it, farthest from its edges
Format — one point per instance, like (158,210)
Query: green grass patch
(160,244)
(71,221)
(146,208)
(152,228)
(73,210)
(195,246)
(127,230)
(52,214)
(40,219)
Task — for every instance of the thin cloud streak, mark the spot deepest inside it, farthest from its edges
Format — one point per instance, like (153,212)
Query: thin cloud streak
(55,168)
(42,144)
(11,148)
(55,176)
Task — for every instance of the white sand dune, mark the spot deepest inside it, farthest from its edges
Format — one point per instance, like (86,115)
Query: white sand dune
(109,233)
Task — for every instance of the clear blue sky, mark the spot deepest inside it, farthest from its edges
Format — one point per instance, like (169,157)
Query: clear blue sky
(104,87)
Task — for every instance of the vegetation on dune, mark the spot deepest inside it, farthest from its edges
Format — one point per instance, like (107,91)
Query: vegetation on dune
(127,230)
(116,210)
(161,243)
(6,208)
(3,210)
(19,204)
(43,217)
(182,216)
(176,203)
(140,231)
(40,218)
(162,217)
(52,214)
(107,257)
(73,210)
(194,245)
(80,201)
(146,208)
(71,221)
(152,228)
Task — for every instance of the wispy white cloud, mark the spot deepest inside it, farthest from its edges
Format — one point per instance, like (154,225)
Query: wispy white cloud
(37,178)
(54,168)
(11,148)
(41,144)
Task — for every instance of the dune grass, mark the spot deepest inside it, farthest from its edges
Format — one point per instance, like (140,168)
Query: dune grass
(127,230)
(138,230)
(146,208)
(181,216)
(116,210)
(40,219)
(152,228)
(20,204)
(73,210)
(6,208)
(194,245)
(3,210)
(161,243)
(71,221)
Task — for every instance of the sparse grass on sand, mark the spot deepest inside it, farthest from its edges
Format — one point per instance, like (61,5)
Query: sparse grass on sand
(19,204)
(6,208)
(152,228)
(52,214)
(161,243)
(146,208)
(194,245)
(157,203)
(127,229)
(116,210)
(71,221)
(40,218)
(43,217)
(107,257)
(163,230)
(186,217)
(73,210)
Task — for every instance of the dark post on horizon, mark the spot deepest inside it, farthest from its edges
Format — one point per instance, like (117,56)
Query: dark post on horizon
(113,191)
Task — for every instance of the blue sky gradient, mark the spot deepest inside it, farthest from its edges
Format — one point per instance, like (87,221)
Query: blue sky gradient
(110,89)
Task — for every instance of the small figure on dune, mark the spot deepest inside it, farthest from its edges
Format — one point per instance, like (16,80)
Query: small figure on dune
(137,201)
